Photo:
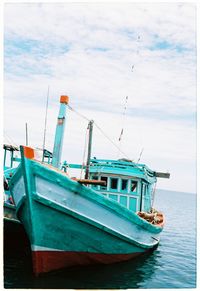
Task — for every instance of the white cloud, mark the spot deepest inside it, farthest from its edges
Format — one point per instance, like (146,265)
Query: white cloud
(98,54)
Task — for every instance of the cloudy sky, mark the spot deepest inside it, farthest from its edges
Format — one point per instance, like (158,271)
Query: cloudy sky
(98,54)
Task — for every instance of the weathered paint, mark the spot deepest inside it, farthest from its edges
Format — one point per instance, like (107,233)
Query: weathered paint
(138,200)
(62,215)
(45,261)
(29,152)
(9,158)
(122,168)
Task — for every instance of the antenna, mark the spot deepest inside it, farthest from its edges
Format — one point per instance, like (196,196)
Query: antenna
(123,118)
(26,134)
(45,124)
(125,106)
(140,155)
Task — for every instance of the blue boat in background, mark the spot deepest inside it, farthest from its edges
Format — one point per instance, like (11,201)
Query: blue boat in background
(104,218)
(11,162)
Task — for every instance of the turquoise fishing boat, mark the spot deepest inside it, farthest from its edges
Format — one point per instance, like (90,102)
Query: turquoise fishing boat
(11,162)
(106,217)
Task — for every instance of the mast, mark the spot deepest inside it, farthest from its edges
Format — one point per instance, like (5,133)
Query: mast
(90,126)
(58,141)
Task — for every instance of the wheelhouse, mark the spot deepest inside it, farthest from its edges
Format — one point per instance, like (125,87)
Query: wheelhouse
(127,183)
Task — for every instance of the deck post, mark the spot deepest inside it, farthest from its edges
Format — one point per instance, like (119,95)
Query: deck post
(4,160)
(141,195)
(11,159)
(58,141)
(90,126)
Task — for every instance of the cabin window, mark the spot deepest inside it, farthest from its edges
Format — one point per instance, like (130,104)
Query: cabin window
(132,203)
(114,183)
(123,200)
(94,177)
(106,180)
(114,197)
(124,185)
(133,186)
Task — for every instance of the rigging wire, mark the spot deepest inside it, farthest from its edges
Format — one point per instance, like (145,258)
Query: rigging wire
(99,128)
(78,113)
(111,141)
(10,140)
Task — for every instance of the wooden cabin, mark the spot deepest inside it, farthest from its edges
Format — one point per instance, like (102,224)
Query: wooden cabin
(128,183)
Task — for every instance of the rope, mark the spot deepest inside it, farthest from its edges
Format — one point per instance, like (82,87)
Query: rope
(9,139)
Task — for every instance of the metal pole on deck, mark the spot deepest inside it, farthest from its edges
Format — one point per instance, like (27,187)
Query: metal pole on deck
(90,126)
(58,141)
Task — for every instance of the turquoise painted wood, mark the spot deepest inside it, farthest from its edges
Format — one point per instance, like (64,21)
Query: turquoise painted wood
(11,162)
(128,183)
(61,215)
(58,141)
(69,223)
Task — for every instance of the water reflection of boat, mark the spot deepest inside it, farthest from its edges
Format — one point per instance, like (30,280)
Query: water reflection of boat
(125,275)
(129,274)
(72,221)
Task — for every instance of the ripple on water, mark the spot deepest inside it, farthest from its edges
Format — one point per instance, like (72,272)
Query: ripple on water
(171,265)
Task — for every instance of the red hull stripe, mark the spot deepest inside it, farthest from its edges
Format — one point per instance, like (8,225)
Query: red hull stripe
(45,261)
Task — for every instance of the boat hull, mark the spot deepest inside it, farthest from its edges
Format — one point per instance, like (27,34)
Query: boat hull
(61,240)
(70,224)
(45,261)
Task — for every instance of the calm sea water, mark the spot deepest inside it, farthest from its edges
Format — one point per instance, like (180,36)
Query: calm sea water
(171,265)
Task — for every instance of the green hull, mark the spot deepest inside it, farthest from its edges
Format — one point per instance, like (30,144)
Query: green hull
(68,223)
